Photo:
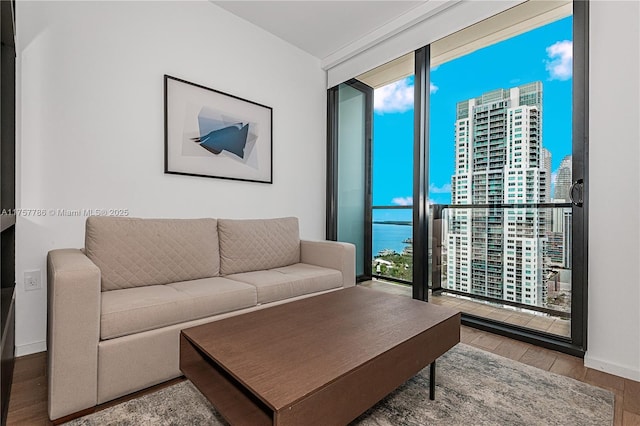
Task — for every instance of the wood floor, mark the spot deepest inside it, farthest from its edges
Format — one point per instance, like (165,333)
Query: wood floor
(28,405)
(536,321)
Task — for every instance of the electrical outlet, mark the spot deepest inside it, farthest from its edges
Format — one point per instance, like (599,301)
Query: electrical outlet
(32,280)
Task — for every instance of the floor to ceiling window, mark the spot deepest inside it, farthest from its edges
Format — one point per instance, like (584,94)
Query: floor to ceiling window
(392,169)
(501,178)
(484,210)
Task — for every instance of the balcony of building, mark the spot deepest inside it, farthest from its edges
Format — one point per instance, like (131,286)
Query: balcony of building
(473,279)
(511,315)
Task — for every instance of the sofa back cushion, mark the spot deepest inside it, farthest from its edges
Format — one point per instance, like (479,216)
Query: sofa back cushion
(253,245)
(140,252)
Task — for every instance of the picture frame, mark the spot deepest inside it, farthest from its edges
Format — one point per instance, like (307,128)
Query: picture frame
(209,133)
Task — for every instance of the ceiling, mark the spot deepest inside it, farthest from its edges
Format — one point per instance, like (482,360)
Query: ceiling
(320,28)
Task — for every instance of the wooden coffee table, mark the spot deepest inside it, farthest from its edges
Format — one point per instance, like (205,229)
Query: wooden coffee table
(321,360)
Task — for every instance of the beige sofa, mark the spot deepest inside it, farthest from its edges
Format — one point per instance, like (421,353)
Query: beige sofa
(116,308)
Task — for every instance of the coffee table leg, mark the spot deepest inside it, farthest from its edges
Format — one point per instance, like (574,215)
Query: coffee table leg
(432,381)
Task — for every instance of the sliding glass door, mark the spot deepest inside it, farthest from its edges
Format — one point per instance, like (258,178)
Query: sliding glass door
(499,202)
(349,170)
(503,184)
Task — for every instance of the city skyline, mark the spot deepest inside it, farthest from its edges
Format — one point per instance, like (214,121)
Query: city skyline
(547,59)
(513,254)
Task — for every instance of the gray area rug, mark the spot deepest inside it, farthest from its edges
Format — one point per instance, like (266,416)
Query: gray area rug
(474,387)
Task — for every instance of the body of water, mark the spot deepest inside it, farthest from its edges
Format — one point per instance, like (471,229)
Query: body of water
(390,237)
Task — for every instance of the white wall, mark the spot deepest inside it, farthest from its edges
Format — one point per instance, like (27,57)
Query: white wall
(614,209)
(90,123)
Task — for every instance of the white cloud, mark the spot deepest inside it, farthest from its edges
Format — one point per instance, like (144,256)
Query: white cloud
(560,60)
(444,189)
(408,201)
(403,201)
(396,97)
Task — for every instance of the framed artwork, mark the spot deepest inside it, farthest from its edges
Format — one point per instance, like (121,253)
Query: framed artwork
(213,134)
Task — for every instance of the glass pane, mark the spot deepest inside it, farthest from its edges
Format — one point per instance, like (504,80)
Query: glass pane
(392,243)
(351,169)
(392,229)
(393,144)
(519,255)
(500,133)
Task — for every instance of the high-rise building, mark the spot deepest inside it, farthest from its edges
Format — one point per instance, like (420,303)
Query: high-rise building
(546,166)
(563,180)
(497,252)
(559,230)
(545,156)
(559,239)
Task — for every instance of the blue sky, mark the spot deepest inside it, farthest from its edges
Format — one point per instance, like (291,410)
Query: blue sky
(543,54)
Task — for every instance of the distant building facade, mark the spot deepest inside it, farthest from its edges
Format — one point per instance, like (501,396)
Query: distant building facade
(559,234)
(563,180)
(499,159)
(546,166)
(559,238)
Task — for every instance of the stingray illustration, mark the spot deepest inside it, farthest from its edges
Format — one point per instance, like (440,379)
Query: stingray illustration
(232,139)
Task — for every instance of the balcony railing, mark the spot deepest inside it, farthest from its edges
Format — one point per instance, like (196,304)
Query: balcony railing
(548,265)
(548,261)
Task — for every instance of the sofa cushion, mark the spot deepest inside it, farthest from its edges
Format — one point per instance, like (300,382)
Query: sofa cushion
(139,252)
(253,245)
(290,281)
(139,309)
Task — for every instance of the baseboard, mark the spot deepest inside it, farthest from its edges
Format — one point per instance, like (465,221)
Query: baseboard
(611,368)
(31,348)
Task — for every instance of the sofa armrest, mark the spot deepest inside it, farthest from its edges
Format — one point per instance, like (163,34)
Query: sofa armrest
(331,254)
(73,331)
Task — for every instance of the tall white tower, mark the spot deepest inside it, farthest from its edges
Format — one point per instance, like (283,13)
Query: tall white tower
(499,159)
